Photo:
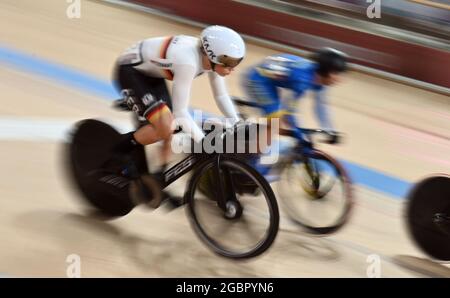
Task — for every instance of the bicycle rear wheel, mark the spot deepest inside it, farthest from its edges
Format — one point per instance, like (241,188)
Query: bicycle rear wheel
(89,147)
(248,224)
(316,193)
(429,198)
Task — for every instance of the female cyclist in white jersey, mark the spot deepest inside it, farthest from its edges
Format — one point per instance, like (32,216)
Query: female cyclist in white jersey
(141,73)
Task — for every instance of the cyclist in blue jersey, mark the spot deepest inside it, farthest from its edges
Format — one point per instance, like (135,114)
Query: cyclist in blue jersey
(263,82)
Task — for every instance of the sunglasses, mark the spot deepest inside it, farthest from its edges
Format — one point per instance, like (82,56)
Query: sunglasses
(228,61)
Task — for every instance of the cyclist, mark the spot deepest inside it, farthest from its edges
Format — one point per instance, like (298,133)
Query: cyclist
(263,83)
(141,73)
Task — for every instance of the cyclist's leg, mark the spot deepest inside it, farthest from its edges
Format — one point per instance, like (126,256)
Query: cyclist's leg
(141,93)
(150,100)
(147,99)
(160,118)
(266,95)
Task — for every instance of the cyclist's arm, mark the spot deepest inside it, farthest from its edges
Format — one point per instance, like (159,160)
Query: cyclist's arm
(181,89)
(321,109)
(222,97)
(290,118)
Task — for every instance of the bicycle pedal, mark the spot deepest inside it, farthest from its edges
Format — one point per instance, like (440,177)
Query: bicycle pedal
(173,203)
(146,191)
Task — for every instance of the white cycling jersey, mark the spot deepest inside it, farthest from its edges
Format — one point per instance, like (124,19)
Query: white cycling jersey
(179,59)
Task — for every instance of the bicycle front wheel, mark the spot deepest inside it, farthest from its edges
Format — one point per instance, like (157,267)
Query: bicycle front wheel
(316,193)
(427,201)
(244,224)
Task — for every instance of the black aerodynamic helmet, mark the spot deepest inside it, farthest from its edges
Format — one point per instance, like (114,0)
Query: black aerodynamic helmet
(330,60)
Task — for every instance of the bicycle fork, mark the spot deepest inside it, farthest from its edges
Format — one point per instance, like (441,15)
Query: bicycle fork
(313,174)
(227,200)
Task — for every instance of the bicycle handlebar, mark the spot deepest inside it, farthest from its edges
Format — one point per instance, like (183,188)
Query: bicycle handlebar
(309,131)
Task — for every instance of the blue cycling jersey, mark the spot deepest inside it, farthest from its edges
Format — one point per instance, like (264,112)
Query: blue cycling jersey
(263,81)
(287,71)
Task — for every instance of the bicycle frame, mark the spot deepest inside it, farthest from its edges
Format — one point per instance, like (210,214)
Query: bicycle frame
(298,151)
(189,163)
(295,153)
(181,168)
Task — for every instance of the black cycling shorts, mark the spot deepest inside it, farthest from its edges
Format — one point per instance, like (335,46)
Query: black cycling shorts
(145,95)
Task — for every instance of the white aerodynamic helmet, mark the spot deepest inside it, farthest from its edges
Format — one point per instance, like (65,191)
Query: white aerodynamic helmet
(223,45)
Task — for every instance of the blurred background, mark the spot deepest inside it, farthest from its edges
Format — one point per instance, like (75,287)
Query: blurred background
(56,60)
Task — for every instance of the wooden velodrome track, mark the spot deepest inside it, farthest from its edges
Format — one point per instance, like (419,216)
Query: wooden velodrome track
(390,128)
